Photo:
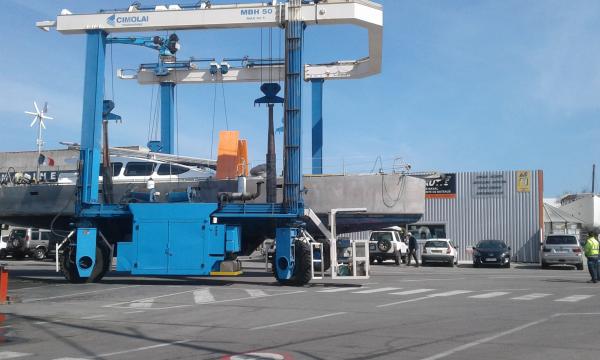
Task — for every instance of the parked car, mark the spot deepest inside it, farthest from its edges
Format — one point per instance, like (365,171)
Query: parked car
(561,249)
(35,243)
(387,245)
(440,251)
(491,252)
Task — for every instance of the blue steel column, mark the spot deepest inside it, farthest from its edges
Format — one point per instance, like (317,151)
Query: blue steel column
(167,117)
(91,125)
(292,172)
(317,126)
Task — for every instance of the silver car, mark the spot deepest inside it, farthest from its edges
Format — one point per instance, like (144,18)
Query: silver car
(561,249)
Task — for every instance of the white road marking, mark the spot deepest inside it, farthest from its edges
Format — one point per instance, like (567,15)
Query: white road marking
(134,312)
(93,317)
(577,314)
(443,294)
(203,296)
(142,304)
(575,298)
(450,293)
(70,358)
(337,290)
(77,294)
(371,291)
(484,340)
(40,322)
(150,298)
(116,306)
(297,321)
(256,293)
(412,292)
(440,279)
(404,301)
(140,349)
(530,296)
(4,355)
(489,295)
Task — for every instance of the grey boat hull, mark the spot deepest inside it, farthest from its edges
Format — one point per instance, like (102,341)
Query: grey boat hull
(389,199)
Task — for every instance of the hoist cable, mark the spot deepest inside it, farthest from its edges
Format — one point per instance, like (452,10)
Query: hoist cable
(150,115)
(270,54)
(224,104)
(212,132)
(112,73)
(261,54)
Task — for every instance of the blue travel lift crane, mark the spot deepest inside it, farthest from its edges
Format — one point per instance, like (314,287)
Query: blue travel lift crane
(185,238)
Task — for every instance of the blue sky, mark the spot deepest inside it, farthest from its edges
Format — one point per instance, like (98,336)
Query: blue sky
(466,86)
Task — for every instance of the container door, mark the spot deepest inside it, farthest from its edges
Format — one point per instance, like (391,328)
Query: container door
(187,253)
(152,240)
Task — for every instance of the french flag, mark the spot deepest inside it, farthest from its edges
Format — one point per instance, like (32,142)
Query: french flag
(45,160)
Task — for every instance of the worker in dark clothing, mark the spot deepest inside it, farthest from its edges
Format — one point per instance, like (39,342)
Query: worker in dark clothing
(412,249)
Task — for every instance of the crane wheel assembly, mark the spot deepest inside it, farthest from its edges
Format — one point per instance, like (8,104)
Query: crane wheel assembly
(68,265)
(302,268)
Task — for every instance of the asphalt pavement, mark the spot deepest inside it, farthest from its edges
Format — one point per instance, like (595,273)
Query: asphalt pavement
(399,313)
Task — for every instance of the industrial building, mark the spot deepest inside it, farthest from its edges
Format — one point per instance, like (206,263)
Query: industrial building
(471,206)
(584,206)
(468,207)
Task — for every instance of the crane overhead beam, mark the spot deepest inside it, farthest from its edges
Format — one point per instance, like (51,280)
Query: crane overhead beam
(363,13)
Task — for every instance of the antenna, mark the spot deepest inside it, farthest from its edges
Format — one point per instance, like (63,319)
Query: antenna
(39,117)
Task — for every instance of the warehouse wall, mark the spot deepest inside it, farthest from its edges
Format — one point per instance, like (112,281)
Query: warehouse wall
(506,214)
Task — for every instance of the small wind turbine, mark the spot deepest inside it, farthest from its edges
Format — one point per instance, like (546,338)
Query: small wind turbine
(39,117)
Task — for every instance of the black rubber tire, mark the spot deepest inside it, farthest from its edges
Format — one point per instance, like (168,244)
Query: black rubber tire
(69,269)
(39,254)
(2,254)
(544,265)
(507,265)
(384,245)
(423,263)
(579,266)
(379,260)
(404,259)
(371,260)
(302,273)
(475,264)
(398,258)
(451,262)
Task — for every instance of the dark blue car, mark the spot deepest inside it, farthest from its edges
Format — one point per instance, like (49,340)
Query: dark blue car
(491,252)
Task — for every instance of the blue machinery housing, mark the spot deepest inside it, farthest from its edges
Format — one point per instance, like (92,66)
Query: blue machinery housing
(186,238)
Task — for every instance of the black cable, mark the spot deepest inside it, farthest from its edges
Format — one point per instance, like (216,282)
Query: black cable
(150,115)
(224,104)
(212,132)
(112,73)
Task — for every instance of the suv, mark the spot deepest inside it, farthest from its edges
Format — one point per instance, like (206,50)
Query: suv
(440,250)
(561,249)
(21,242)
(386,245)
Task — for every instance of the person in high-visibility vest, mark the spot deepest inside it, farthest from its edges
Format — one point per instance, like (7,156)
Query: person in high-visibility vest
(592,250)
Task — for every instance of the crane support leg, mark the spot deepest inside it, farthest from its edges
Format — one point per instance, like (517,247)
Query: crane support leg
(317,126)
(90,151)
(91,126)
(292,172)
(167,117)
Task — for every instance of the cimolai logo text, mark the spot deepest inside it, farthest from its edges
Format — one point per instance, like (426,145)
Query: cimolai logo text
(126,20)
